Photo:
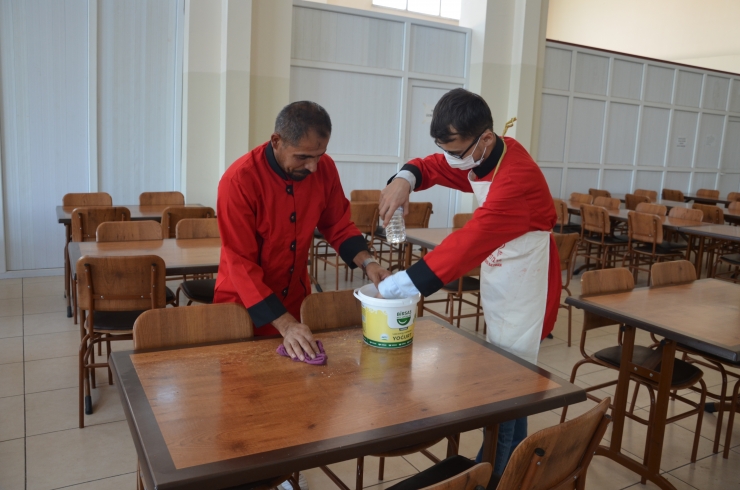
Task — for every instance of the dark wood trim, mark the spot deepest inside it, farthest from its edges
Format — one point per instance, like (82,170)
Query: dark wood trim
(159,472)
(706,200)
(705,232)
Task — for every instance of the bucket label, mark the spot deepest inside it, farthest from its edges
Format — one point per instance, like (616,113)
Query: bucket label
(404,317)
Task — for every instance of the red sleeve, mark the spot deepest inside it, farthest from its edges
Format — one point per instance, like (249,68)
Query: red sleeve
(434,170)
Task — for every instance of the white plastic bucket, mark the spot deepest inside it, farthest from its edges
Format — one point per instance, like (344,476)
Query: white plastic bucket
(386,323)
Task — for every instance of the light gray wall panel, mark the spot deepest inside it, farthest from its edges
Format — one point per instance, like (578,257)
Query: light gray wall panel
(682,139)
(703,180)
(554,178)
(653,136)
(735,95)
(627,79)
(710,138)
(137,97)
(688,88)
(716,90)
(321,35)
(43,124)
(646,179)
(592,73)
(553,121)
(677,180)
(437,51)
(621,133)
(557,68)
(586,131)
(659,84)
(619,181)
(365,109)
(729,183)
(581,180)
(731,153)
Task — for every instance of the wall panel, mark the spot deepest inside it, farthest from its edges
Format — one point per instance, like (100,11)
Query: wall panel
(627,79)
(557,69)
(586,132)
(553,120)
(437,51)
(621,133)
(653,136)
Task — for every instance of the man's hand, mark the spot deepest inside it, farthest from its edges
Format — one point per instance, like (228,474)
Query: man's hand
(376,273)
(297,337)
(395,195)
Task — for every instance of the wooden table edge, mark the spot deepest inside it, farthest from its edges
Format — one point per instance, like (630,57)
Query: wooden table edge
(263,465)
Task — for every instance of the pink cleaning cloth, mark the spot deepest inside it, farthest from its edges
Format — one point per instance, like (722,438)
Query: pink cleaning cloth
(320,359)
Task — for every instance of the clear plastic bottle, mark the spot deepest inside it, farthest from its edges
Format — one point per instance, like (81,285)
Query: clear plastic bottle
(395,233)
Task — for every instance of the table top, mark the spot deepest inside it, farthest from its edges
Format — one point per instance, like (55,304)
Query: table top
(703,315)
(427,237)
(706,200)
(722,232)
(233,413)
(732,216)
(64,213)
(191,256)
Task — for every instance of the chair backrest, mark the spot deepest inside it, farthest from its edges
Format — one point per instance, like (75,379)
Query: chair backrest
(712,214)
(85,221)
(87,199)
(603,281)
(557,457)
(599,193)
(461,219)
(197,228)
(419,214)
(581,198)
(126,231)
(610,203)
(561,208)
(594,219)
(364,214)
(200,324)
(650,208)
(652,195)
(645,227)
(124,283)
(369,195)
(672,195)
(331,309)
(476,477)
(733,196)
(566,249)
(673,272)
(734,206)
(631,201)
(710,193)
(172,198)
(173,214)
(686,213)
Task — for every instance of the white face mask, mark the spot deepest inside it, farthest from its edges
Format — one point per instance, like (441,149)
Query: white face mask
(465,163)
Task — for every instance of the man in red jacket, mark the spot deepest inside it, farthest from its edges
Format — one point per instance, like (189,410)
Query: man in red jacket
(508,236)
(269,203)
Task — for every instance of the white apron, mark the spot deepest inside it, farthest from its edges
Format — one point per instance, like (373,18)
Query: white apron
(513,288)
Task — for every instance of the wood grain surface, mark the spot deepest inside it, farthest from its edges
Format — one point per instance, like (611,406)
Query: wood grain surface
(64,213)
(722,232)
(427,237)
(219,402)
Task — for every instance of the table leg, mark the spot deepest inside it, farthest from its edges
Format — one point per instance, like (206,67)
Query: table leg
(67,269)
(699,257)
(490,441)
(622,390)
(661,406)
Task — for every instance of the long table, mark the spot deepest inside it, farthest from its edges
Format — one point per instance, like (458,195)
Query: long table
(717,232)
(222,415)
(702,315)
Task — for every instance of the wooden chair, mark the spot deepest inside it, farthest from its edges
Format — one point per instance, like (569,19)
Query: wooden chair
(173,198)
(733,197)
(599,193)
(337,309)
(685,375)
(687,214)
(173,214)
(716,216)
(200,290)
(127,231)
(567,246)
(596,233)
(453,473)
(369,195)
(712,214)
(650,208)
(611,204)
(708,193)
(734,206)
(645,244)
(112,293)
(581,198)
(561,208)
(631,201)
(672,195)
(418,217)
(652,195)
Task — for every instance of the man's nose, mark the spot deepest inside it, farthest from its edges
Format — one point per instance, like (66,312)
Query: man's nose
(312,166)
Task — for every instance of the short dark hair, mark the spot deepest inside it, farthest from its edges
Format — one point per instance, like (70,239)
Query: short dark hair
(295,121)
(465,111)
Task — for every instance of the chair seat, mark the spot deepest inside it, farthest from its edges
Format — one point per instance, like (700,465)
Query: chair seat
(469,284)
(318,234)
(608,240)
(116,320)
(733,259)
(683,372)
(565,229)
(659,250)
(169,295)
(380,232)
(441,471)
(200,290)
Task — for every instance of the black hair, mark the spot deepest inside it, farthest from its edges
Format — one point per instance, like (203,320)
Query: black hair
(295,121)
(460,112)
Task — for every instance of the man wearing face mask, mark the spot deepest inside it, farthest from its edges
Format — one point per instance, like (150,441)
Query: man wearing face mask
(508,236)
(269,203)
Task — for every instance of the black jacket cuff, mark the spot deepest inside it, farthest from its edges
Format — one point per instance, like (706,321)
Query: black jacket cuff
(349,249)
(425,280)
(414,170)
(266,311)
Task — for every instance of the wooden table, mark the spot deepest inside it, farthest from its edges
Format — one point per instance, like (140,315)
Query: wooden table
(703,315)
(708,230)
(621,215)
(707,200)
(427,239)
(222,415)
(732,216)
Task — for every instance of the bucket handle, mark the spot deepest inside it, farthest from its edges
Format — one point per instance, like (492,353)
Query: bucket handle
(357,295)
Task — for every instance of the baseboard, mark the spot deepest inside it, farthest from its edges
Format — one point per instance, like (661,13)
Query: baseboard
(32,273)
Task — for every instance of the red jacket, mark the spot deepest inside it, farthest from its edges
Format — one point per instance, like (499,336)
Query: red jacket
(519,201)
(267,223)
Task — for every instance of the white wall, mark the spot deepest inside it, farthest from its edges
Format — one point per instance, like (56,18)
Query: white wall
(368,5)
(703,33)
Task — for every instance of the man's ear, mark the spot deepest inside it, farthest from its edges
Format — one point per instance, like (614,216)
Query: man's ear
(488,138)
(275,140)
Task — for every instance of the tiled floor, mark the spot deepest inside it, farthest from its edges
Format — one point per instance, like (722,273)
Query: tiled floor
(42,448)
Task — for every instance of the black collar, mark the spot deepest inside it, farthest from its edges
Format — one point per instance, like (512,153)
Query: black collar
(270,154)
(490,163)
